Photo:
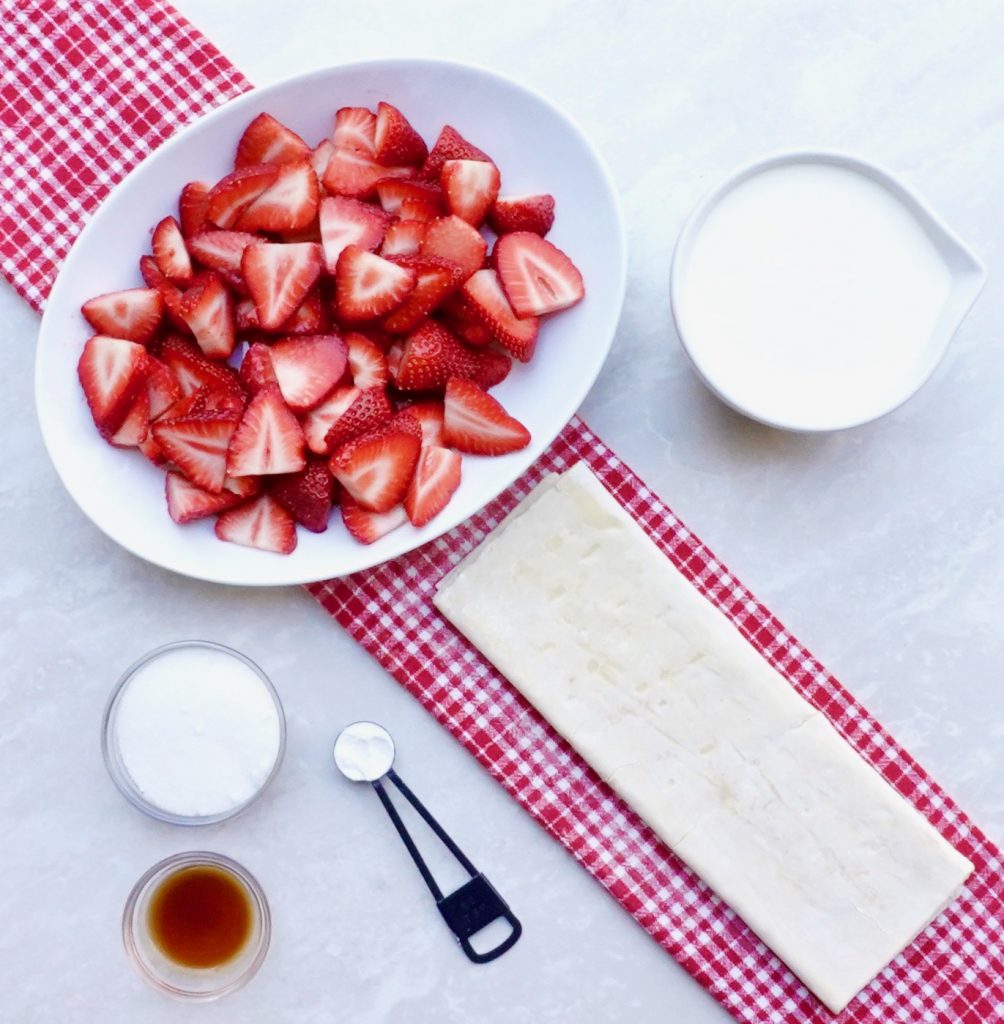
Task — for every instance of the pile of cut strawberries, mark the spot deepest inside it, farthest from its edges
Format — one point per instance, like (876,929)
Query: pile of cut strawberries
(322,327)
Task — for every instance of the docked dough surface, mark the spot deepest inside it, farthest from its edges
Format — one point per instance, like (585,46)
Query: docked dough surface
(666,700)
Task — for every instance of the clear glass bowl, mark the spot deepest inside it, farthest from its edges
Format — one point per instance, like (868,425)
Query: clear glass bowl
(200,984)
(113,755)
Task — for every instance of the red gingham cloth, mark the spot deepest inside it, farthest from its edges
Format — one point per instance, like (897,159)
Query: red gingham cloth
(87,88)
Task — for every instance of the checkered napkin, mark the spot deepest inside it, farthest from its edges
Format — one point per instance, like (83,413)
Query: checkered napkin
(89,87)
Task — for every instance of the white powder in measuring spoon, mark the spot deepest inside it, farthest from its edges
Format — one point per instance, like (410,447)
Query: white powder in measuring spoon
(198,731)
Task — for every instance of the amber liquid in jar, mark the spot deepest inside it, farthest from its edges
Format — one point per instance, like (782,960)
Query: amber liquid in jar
(200,916)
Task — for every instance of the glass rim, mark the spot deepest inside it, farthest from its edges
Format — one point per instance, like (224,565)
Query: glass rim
(170,865)
(117,770)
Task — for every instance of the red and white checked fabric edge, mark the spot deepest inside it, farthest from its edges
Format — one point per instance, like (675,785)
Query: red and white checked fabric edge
(953,972)
(87,89)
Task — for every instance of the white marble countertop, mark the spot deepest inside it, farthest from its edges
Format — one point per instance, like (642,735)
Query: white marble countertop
(882,548)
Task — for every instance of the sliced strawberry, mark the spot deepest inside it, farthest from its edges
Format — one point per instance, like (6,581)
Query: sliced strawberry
(192,205)
(310,318)
(367,286)
(450,145)
(256,370)
(436,479)
(279,276)
(307,367)
(132,315)
(430,419)
(346,222)
(435,279)
(319,159)
(392,193)
(462,318)
(197,444)
(367,363)
(470,187)
(149,447)
(231,195)
(192,370)
(242,486)
(307,495)
(454,239)
(162,388)
(475,422)
(112,373)
(486,299)
(319,421)
(288,204)
(355,127)
(375,469)
(136,424)
(368,527)
(369,410)
(403,238)
(522,213)
(431,356)
(209,399)
(492,368)
(395,141)
(259,523)
(170,294)
(170,252)
(222,251)
(208,310)
(421,210)
(269,439)
(537,277)
(186,502)
(266,140)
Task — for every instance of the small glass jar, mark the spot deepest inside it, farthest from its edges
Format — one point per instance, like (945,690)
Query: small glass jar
(119,770)
(194,983)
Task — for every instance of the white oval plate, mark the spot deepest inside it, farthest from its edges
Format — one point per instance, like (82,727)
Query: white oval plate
(537,148)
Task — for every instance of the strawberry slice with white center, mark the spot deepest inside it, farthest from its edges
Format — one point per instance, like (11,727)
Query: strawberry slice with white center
(368,527)
(346,222)
(279,276)
(367,286)
(222,251)
(319,421)
(435,278)
(288,204)
(192,205)
(319,159)
(187,503)
(403,238)
(170,252)
(538,278)
(421,210)
(355,127)
(487,301)
(268,440)
(193,371)
(452,238)
(475,422)
(522,213)
(369,410)
(307,368)
(307,495)
(208,310)
(229,197)
(132,315)
(376,469)
(170,294)
(136,425)
(470,187)
(268,141)
(431,356)
(242,486)
(395,141)
(112,372)
(430,419)
(259,523)
(393,192)
(256,370)
(197,444)
(352,172)
(162,388)
(450,145)
(436,479)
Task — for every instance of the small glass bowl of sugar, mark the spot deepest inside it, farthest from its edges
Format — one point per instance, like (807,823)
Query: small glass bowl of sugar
(193,733)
